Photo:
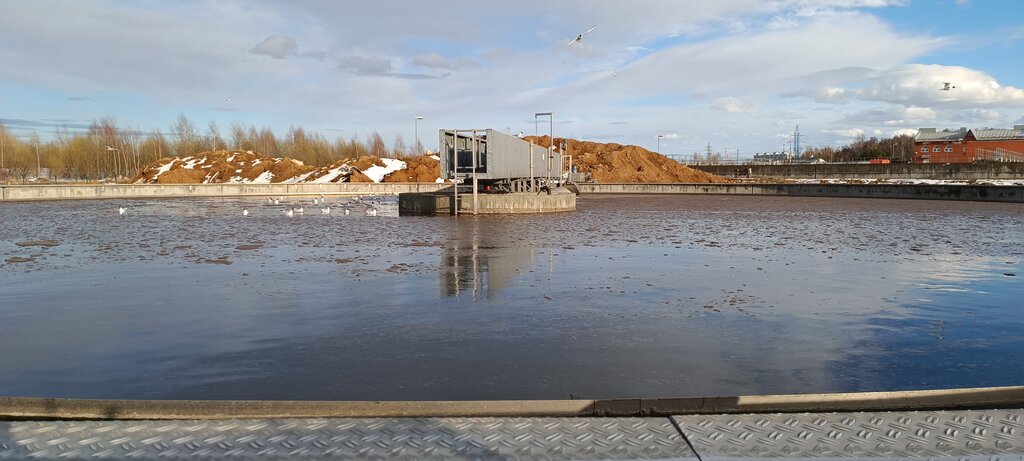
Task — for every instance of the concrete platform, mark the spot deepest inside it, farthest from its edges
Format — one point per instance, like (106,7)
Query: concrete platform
(964,434)
(962,424)
(441,203)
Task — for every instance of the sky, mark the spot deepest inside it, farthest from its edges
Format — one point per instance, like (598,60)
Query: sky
(738,74)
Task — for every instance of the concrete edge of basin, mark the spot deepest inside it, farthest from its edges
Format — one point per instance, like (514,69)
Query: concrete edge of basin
(21,408)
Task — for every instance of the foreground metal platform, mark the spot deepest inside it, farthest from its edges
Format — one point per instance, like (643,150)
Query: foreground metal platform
(966,434)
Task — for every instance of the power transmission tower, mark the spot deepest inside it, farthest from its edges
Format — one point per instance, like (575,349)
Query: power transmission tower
(796,142)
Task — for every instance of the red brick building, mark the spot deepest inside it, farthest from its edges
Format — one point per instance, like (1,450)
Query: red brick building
(965,146)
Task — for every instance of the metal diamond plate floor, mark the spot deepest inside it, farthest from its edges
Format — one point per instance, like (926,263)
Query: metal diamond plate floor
(987,434)
(435,438)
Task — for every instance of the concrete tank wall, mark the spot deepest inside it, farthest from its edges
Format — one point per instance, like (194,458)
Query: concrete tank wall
(441,203)
(991,170)
(901,191)
(69,191)
(915,191)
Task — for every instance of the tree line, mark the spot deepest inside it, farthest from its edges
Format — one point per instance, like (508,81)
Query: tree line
(897,148)
(107,150)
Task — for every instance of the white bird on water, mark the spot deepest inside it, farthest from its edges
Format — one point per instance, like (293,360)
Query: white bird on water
(270,201)
(326,210)
(121,210)
(579,38)
(371,212)
(298,210)
(275,201)
(316,201)
(346,211)
(245,212)
(289,212)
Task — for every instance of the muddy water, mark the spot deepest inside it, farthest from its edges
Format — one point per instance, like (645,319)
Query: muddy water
(628,297)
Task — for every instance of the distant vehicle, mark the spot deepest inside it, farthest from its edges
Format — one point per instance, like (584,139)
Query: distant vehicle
(879,161)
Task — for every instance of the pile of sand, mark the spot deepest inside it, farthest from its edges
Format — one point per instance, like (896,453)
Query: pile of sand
(221,167)
(425,168)
(616,163)
(248,167)
(606,163)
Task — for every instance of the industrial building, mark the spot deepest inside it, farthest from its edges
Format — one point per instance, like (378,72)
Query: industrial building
(966,146)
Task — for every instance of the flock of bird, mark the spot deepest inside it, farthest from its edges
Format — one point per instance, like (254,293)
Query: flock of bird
(368,205)
(358,203)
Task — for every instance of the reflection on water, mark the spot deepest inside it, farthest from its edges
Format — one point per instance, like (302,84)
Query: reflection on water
(638,296)
(475,264)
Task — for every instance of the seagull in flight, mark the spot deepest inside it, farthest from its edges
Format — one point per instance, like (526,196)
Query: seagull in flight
(227,99)
(579,38)
(947,86)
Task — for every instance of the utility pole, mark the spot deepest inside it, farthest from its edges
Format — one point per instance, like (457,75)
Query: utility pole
(416,123)
(39,165)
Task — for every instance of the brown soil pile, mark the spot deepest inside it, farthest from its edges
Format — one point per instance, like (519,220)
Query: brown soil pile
(616,163)
(425,168)
(247,166)
(220,167)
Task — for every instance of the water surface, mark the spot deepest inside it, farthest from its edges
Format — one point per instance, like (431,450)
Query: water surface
(645,296)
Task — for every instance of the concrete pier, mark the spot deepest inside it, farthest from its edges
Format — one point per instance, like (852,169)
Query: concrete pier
(441,202)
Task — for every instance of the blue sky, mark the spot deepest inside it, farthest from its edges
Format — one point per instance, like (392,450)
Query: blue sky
(739,74)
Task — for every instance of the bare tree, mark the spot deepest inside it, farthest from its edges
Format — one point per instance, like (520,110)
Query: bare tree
(377,146)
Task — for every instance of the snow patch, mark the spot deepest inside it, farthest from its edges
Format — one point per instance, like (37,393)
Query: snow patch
(377,173)
(263,178)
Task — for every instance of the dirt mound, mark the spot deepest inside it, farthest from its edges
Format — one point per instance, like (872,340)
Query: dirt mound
(607,163)
(616,163)
(253,168)
(222,167)
(425,168)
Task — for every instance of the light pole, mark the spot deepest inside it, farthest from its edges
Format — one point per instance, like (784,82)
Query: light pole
(416,122)
(659,143)
(39,165)
(551,134)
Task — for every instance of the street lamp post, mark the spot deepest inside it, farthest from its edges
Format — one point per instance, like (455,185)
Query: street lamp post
(39,165)
(551,135)
(659,143)
(416,122)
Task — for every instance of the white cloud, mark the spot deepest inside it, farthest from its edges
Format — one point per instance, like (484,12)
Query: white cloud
(903,132)
(365,65)
(921,85)
(847,133)
(895,115)
(668,136)
(276,46)
(436,61)
(733,105)
(979,115)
